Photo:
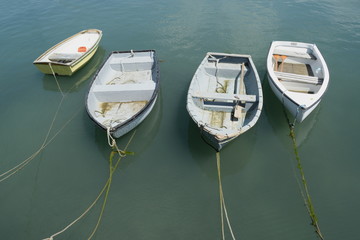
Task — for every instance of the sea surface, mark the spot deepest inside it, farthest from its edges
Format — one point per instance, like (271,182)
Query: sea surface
(169,188)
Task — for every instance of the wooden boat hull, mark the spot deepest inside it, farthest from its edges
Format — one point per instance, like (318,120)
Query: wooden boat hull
(47,66)
(124,91)
(222,84)
(298,76)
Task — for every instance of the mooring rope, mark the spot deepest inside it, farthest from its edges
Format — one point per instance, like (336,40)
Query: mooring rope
(46,142)
(112,142)
(52,70)
(222,202)
(21,165)
(303,188)
(112,168)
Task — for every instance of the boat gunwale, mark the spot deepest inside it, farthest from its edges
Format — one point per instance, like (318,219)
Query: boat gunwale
(148,104)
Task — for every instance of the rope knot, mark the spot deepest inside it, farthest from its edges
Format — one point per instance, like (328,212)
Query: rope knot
(112,143)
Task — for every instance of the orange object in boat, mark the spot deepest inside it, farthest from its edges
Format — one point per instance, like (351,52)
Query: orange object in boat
(82,49)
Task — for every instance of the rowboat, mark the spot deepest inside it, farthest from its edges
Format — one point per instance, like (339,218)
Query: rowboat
(124,91)
(71,54)
(298,75)
(225,97)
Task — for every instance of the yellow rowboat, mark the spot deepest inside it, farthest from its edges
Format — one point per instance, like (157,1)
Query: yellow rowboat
(70,55)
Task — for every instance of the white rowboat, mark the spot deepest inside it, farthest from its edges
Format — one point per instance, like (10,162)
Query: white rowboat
(124,91)
(70,55)
(298,75)
(225,97)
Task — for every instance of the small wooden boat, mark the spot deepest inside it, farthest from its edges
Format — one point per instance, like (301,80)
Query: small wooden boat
(225,97)
(124,91)
(298,75)
(70,55)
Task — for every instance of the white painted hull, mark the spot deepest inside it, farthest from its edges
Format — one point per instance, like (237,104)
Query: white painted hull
(295,110)
(298,76)
(224,97)
(124,91)
(132,124)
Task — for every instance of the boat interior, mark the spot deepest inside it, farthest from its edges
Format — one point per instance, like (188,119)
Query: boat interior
(298,70)
(226,93)
(123,87)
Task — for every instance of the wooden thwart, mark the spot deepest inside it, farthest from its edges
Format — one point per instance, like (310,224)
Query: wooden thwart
(226,97)
(124,92)
(294,54)
(298,78)
(56,57)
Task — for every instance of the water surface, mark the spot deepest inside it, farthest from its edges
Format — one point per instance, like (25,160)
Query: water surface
(169,189)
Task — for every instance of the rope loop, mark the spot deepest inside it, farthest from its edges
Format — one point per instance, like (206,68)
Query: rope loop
(111,140)
(112,143)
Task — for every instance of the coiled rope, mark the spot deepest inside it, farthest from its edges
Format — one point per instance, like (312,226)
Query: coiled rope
(303,187)
(222,202)
(112,168)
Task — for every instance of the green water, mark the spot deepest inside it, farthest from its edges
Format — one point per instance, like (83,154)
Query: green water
(169,188)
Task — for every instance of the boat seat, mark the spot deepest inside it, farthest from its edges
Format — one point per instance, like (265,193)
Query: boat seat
(295,54)
(122,60)
(223,102)
(298,78)
(60,57)
(298,89)
(132,64)
(124,92)
(226,97)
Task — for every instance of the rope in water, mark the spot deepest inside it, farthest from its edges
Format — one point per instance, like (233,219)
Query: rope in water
(112,168)
(57,82)
(222,202)
(303,188)
(46,142)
